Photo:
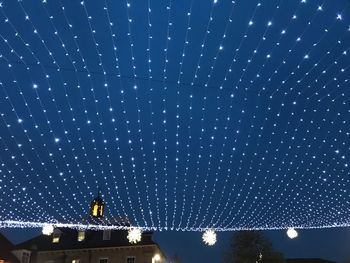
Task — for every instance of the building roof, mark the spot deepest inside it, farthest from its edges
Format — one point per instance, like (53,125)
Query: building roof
(98,199)
(308,260)
(93,239)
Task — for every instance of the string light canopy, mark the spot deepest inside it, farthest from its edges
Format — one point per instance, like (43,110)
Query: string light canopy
(221,115)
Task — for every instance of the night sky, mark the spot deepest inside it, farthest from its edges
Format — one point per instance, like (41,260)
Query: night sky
(186,115)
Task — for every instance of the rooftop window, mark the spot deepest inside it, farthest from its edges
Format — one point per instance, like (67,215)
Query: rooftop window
(81,236)
(107,234)
(56,236)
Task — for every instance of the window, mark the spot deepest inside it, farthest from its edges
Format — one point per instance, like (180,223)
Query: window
(106,234)
(103,260)
(130,260)
(56,237)
(76,261)
(25,257)
(81,236)
(95,210)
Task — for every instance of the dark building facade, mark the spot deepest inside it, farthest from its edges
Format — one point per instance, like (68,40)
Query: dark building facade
(65,245)
(73,246)
(308,260)
(6,248)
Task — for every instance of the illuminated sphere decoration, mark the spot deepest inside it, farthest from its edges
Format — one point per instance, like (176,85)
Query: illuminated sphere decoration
(156,257)
(292,233)
(47,229)
(134,235)
(209,237)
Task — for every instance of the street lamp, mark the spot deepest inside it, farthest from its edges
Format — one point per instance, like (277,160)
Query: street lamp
(156,258)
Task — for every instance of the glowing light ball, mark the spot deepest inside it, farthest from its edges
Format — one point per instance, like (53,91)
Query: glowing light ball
(47,229)
(156,257)
(209,237)
(292,233)
(134,235)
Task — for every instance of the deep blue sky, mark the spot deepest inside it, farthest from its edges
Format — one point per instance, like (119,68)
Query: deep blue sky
(332,244)
(188,114)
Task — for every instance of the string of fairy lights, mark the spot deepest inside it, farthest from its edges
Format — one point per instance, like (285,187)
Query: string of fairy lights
(202,118)
(268,25)
(178,92)
(292,137)
(263,38)
(198,116)
(113,36)
(188,152)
